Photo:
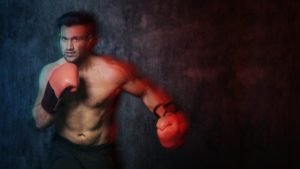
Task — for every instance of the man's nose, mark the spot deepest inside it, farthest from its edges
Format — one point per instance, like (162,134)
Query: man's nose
(70,45)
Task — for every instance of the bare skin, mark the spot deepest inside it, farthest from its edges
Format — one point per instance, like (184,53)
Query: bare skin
(86,116)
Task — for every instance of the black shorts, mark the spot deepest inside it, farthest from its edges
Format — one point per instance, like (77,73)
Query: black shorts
(67,155)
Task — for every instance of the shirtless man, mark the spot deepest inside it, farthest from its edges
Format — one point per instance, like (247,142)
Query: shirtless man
(78,94)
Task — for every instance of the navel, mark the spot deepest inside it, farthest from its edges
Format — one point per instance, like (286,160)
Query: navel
(81,135)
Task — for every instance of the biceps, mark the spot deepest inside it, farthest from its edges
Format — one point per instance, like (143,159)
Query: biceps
(39,96)
(36,106)
(136,87)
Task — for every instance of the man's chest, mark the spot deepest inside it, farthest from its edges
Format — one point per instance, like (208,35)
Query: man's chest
(96,88)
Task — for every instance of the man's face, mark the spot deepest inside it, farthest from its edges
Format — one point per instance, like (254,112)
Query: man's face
(75,42)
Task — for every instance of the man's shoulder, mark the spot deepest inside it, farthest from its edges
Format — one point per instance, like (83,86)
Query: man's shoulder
(54,64)
(116,64)
(107,59)
(48,68)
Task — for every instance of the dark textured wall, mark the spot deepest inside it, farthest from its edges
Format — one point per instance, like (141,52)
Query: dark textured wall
(227,64)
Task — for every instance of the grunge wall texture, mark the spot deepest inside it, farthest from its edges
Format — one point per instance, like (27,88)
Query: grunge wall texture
(227,64)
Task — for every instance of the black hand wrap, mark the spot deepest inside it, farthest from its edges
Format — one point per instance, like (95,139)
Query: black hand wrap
(49,101)
(169,107)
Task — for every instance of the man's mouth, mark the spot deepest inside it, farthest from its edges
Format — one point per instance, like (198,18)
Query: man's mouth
(69,54)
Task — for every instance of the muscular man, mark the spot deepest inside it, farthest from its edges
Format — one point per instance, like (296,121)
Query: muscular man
(78,94)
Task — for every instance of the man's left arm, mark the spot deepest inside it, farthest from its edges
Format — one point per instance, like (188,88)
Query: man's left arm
(172,124)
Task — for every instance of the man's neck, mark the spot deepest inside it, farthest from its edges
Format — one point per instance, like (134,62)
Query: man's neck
(85,62)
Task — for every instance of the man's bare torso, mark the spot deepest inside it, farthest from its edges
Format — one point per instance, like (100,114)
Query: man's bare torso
(86,116)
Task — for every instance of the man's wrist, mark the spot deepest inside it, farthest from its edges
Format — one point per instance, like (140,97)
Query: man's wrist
(49,100)
(162,109)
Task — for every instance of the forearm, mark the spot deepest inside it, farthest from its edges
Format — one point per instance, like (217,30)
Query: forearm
(172,124)
(41,117)
(153,97)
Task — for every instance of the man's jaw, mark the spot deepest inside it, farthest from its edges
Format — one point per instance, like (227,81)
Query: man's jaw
(69,58)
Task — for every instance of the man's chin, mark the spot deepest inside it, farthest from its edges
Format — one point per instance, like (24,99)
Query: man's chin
(70,59)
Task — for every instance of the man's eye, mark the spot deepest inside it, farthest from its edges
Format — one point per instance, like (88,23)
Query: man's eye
(76,39)
(63,38)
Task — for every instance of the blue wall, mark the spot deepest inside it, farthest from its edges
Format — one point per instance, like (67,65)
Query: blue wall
(227,64)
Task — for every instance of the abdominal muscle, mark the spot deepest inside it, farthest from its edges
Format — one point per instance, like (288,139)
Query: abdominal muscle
(86,116)
(86,126)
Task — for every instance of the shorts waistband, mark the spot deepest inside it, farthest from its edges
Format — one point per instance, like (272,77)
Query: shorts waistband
(62,140)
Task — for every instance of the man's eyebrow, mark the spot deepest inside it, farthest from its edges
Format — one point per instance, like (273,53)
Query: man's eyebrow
(62,36)
(72,37)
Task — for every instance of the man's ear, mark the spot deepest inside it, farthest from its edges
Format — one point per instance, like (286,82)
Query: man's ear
(92,41)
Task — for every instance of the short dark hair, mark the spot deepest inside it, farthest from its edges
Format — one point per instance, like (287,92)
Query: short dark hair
(78,18)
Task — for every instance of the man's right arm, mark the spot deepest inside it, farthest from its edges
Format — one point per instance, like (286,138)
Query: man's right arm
(42,118)
(55,80)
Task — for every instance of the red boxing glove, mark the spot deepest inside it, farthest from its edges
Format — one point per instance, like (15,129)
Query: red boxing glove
(64,78)
(171,129)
